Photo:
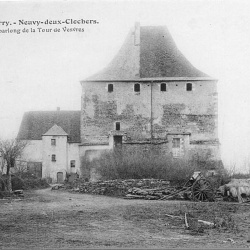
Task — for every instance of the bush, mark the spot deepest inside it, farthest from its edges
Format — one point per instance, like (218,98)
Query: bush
(35,183)
(24,181)
(31,181)
(16,182)
(135,164)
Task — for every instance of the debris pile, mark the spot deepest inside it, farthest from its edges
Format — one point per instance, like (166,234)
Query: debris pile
(121,187)
(155,193)
(236,189)
(130,189)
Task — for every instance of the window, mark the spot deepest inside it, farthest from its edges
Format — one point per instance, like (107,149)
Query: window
(53,142)
(72,163)
(176,142)
(176,148)
(163,87)
(53,157)
(110,87)
(137,87)
(117,126)
(189,86)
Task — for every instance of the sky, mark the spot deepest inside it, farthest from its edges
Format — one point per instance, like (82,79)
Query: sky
(42,70)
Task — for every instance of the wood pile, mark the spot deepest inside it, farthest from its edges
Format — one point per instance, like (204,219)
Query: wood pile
(155,193)
(130,189)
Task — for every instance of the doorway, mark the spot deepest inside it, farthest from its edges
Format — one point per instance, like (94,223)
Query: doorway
(60,177)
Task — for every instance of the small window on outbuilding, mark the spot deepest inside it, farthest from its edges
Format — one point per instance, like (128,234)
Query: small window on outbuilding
(189,86)
(110,87)
(117,126)
(53,142)
(176,142)
(72,164)
(163,87)
(137,87)
(176,147)
(53,157)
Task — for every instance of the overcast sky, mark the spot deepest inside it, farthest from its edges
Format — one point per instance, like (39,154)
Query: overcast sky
(41,71)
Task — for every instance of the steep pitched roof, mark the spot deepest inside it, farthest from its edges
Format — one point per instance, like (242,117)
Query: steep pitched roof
(56,130)
(160,56)
(148,52)
(125,65)
(36,123)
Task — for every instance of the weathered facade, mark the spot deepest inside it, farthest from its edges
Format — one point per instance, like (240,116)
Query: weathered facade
(53,142)
(150,94)
(149,97)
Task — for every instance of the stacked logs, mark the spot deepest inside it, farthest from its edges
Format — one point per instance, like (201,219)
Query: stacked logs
(155,193)
(130,189)
(148,189)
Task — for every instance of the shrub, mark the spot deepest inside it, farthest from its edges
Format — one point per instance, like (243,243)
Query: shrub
(35,183)
(139,164)
(16,182)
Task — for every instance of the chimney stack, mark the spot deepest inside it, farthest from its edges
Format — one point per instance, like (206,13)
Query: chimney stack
(137,34)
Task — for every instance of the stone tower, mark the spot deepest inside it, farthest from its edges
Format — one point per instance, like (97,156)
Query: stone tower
(150,95)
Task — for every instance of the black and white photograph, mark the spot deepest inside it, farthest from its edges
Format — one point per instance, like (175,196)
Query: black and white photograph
(124,124)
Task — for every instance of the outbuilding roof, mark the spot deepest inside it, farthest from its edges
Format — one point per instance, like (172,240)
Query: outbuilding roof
(148,52)
(36,123)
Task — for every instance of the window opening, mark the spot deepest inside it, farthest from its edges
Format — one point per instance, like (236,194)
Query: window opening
(117,126)
(72,163)
(176,148)
(163,87)
(53,142)
(110,87)
(137,87)
(189,87)
(176,142)
(53,158)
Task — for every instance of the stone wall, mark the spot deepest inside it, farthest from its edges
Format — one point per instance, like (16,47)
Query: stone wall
(174,111)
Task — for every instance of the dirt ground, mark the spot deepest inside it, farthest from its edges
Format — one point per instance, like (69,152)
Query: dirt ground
(59,219)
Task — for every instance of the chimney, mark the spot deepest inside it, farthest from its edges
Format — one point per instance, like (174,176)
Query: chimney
(137,34)
(58,109)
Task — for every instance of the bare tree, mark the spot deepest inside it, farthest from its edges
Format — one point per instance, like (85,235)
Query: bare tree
(10,150)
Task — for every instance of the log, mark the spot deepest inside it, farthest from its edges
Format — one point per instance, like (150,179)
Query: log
(151,197)
(134,196)
(173,216)
(175,193)
(186,223)
(206,222)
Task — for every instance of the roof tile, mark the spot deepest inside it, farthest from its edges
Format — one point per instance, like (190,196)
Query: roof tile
(36,123)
